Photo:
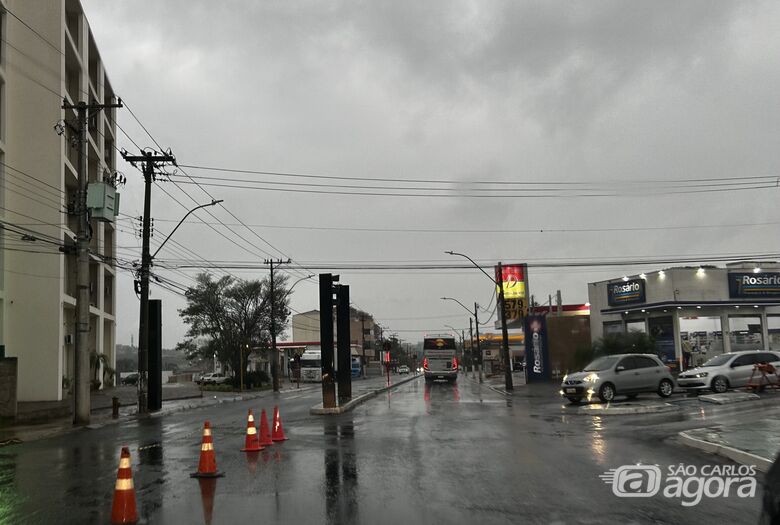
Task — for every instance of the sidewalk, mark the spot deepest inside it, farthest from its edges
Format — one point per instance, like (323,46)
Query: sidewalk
(176,397)
(363,390)
(497,382)
(756,443)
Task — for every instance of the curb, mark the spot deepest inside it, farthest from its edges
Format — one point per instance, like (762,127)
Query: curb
(626,410)
(319,410)
(740,456)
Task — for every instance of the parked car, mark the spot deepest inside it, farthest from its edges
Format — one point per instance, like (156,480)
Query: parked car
(130,379)
(731,370)
(621,374)
(403,369)
(214,378)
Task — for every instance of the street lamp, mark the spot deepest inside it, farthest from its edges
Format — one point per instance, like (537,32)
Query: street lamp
(497,281)
(475,314)
(143,318)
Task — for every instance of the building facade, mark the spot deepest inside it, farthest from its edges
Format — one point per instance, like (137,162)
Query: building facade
(53,60)
(364,332)
(695,313)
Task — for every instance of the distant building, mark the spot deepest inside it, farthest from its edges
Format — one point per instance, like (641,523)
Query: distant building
(364,332)
(38,184)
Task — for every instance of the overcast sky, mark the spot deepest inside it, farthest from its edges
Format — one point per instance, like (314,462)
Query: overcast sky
(462,91)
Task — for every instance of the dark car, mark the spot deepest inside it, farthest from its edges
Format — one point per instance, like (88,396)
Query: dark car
(130,379)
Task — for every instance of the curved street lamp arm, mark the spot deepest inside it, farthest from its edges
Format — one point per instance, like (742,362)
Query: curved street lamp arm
(463,305)
(478,267)
(212,203)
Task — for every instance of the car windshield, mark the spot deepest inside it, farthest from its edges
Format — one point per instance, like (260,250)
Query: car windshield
(719,360)
(602,363)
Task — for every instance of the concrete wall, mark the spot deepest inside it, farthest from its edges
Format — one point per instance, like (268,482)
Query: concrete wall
(8,382)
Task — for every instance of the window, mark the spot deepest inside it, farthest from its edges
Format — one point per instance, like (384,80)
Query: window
(746,333)
(636,326)
(629,363)
(645,362)
(744,360)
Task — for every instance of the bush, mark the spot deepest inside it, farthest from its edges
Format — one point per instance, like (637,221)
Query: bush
(225,387)
(632,342)
(256,379)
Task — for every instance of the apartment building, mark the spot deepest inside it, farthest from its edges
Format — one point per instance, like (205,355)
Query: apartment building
(54,59)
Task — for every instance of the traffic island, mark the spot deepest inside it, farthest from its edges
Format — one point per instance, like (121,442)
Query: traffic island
(628,408)
(756,444)
(729,398)
(319,410)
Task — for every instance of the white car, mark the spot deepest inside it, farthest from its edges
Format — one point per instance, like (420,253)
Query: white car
(403,369)
(214,378)
(732,370)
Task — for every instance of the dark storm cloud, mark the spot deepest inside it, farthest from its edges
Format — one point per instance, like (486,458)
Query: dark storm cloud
(459,90)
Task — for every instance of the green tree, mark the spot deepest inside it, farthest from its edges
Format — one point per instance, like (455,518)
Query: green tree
(633,342)
(227,316)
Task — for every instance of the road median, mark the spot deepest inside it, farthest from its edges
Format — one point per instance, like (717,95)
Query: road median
(319,410)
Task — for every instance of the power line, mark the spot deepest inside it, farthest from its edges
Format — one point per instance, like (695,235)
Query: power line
(495,182)
(502,195)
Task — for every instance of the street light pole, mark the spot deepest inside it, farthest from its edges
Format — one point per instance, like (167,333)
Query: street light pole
(497,281)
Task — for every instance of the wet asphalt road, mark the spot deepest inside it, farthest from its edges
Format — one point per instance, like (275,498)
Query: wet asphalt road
(420,454)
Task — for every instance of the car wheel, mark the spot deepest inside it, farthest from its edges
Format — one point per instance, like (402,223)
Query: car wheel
(665,388)
(574,400)
(607,392)
(719,384)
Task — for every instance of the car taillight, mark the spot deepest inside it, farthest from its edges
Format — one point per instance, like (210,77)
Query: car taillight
(455,363)
(425,363)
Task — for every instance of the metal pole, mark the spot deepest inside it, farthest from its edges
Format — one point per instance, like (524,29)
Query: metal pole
(479,350)
(504,332)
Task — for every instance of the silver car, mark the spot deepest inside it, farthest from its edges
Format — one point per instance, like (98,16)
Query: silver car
(622,374)
(731,370)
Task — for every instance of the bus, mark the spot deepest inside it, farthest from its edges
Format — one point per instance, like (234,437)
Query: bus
(439,359)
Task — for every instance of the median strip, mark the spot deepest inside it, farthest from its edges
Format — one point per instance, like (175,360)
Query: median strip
(319,410)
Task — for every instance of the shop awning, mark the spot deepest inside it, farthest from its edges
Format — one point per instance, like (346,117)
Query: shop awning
(688,304)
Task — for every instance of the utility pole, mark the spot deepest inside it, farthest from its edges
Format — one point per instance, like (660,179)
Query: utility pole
(504,332)
(274,354)
(479,350)
(149,161)
(82,402)
(471,347)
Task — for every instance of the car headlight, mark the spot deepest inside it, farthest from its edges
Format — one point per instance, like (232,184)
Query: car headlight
(591,378)
(565,377)
(701,374)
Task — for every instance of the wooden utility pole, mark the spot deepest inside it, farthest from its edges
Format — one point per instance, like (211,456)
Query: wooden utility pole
(81,387)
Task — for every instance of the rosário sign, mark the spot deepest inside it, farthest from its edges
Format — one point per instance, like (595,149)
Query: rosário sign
(749,285)
(626,292)
(537,356)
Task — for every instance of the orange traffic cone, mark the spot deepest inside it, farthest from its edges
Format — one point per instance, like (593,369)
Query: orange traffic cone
(265,433)
(278,431)
(252,443)
(123,509)
(207,466)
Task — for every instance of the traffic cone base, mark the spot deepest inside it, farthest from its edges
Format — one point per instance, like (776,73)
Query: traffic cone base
(207,466)
(252,443)
(265,433)
(123,508)
(278,432)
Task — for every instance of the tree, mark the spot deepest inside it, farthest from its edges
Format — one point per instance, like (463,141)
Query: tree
(232,317)
(633,342)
